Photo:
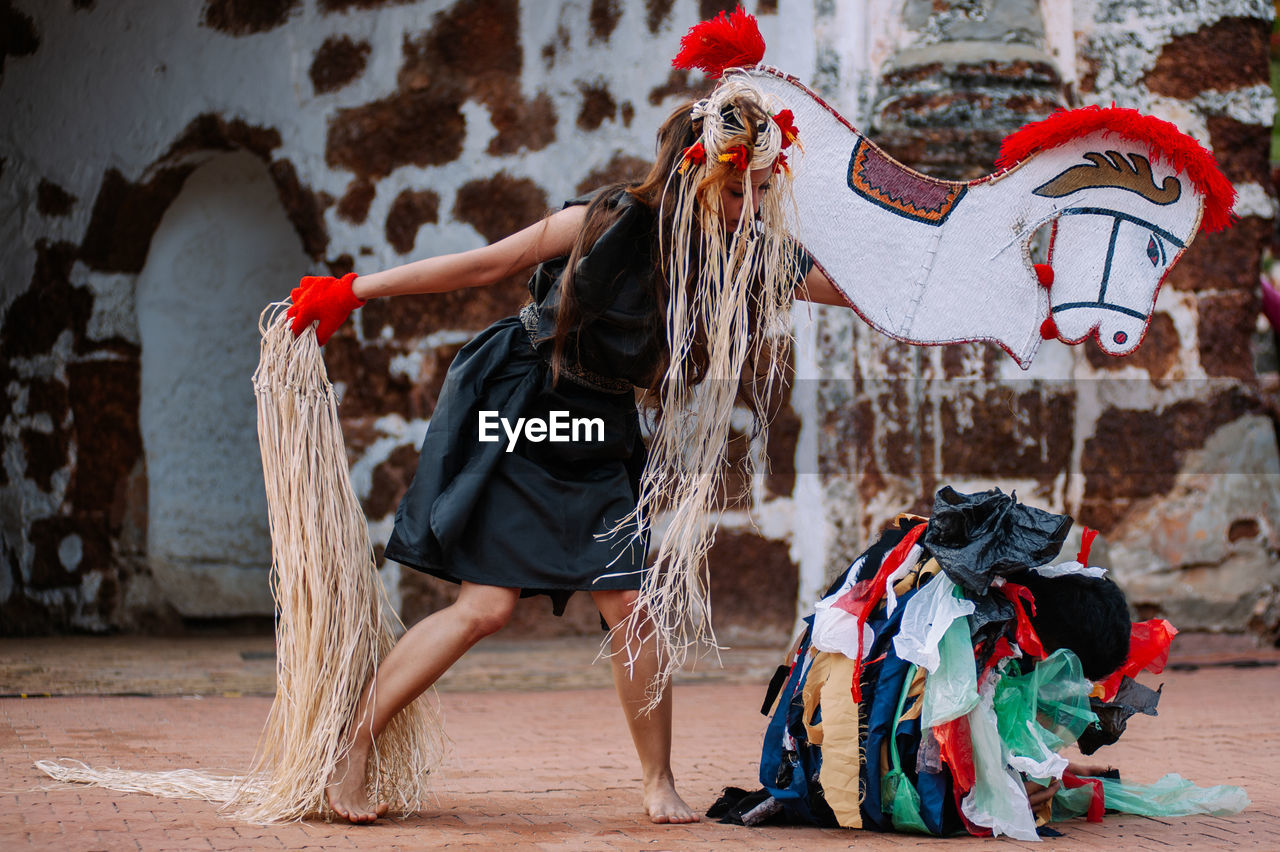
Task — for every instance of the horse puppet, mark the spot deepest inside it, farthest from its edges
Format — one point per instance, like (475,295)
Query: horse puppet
(930,261)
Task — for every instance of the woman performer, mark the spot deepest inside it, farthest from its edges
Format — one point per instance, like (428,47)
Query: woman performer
(685,279)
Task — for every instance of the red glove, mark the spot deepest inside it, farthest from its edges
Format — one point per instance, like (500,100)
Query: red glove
(328,301)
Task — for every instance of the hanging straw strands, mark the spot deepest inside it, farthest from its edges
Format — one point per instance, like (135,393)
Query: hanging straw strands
(332,630)
(175,784)
(750,272)
(333,625)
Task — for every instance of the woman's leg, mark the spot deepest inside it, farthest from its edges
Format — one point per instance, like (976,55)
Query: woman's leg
(651,731)
(423,654)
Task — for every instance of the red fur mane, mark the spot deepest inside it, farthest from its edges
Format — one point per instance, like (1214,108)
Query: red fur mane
(1164,141)
(722,42)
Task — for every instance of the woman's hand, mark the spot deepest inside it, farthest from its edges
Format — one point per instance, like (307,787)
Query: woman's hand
(1083,770)
(1038,795)
(324,300)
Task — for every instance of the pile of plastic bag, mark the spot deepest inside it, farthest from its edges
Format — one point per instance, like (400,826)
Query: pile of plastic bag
(921,699)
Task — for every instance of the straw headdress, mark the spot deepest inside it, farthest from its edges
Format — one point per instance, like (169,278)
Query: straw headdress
(732,291)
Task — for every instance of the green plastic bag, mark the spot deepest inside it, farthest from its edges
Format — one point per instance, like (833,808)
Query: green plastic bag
(1171,796)
(898,796)
(998,799)
(1042,711)
(1072,803)
(952,690)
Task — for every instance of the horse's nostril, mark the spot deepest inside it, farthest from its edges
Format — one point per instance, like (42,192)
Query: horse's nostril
(1120,337)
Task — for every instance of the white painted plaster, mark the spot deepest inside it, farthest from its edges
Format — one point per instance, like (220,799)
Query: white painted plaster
(400,433)
(114,312)
(1253,199)
(70,552)
(1177,550)
(1251,104)
(1128,36)
(809,539)
(219,255)
(1059,37)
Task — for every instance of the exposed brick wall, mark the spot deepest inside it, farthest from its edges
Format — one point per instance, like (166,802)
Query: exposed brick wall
(472,123)
(1108,440)
(379,150)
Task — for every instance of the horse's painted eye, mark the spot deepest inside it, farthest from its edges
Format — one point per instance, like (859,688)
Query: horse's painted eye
(1155,251)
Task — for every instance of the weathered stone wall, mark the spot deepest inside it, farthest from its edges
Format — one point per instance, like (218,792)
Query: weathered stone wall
(386,130)
(1180,470)
(1170,452)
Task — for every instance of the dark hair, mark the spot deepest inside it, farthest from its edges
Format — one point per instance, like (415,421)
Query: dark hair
(677,133)
(1088,616)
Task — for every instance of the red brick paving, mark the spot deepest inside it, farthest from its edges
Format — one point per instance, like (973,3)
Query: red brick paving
(554,770)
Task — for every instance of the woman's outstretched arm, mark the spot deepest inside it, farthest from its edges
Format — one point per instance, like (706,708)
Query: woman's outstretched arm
(818,288)
(552,237)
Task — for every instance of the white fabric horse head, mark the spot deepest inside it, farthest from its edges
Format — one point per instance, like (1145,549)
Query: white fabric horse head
(931,261)
(1132,183)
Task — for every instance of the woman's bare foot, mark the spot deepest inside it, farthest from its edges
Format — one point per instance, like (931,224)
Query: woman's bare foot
(345,790)
(664,804)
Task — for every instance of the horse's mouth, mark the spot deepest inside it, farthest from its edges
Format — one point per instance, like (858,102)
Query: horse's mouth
(1118,331)
(1100,306)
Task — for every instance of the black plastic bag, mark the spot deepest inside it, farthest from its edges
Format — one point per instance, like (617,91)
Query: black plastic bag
(976,537)
(1113,716)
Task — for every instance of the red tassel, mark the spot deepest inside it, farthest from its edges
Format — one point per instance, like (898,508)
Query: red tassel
(1162,138)
(1048,329)
(732,41)
(1044,274)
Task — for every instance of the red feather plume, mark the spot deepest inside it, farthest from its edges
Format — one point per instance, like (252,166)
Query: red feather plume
(1163,140)
(725,41)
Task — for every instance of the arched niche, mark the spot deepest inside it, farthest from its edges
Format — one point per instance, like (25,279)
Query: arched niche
(224,249)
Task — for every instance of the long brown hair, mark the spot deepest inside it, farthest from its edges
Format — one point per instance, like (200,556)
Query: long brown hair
(726,289)
(677,133)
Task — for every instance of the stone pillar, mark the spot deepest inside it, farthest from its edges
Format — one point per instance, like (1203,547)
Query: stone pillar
(958,78)
(966,75)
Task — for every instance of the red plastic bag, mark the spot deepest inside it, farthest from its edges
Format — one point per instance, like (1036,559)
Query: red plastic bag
(1148,651)
(863,597)
(956,750)
(1028,639)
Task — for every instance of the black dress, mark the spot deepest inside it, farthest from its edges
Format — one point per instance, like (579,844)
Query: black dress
(534,518)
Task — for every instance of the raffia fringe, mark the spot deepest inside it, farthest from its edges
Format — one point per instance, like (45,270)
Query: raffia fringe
(749,274)
(334,623)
